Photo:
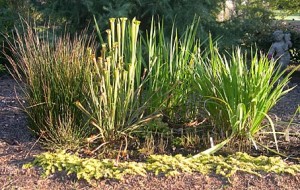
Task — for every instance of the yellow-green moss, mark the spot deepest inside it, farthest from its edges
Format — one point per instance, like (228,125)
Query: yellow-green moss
(89,168)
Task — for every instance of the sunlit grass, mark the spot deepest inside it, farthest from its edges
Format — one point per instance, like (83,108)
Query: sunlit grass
(171,61)
(116,104)
(52,71)
(239,92)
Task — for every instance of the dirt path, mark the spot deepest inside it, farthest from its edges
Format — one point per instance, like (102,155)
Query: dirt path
(16,148)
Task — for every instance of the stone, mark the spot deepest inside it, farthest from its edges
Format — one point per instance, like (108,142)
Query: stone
(279,50)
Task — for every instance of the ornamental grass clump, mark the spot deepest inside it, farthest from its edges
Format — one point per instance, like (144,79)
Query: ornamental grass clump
(171,61)
(238,92)
(52,72)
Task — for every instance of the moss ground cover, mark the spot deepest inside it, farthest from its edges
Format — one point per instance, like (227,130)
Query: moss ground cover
(89,169)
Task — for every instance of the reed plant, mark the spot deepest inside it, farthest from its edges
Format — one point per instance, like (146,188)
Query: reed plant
(171,61)
(52,72)
(239,92)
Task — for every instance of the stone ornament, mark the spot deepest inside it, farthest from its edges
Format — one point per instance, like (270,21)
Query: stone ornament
(280,48)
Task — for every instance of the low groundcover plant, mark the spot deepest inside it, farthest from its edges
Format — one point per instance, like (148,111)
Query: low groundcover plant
(89,168)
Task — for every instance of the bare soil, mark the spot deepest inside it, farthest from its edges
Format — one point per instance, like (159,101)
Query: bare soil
(18,146)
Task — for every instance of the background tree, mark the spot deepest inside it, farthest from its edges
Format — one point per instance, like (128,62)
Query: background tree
(251,20)
(10,12)
(286,5)
(77,14)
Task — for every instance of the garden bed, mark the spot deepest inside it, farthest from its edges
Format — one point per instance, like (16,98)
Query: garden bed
(17,147)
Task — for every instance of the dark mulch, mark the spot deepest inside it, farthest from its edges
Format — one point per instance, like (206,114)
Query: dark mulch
(17,146)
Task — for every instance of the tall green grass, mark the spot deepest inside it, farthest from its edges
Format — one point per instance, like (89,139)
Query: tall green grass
(52,72)
(239,92)
(170,62)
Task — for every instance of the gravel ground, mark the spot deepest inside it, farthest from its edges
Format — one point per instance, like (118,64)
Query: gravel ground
(17,146)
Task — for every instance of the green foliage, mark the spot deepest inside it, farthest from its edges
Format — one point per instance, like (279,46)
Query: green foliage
(295,51)
(170,64)
(155,126)
(234,89)
(250,24)
(77,14)
(7,16)
(249,19)
(2,69)
(52,74)
(72,14)
(176,12)
(89,169)
(115,96)
(10,11)
(177,142)
(286,5)
(115,100)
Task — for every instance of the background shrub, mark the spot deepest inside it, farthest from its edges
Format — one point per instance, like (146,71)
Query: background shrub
(250,23)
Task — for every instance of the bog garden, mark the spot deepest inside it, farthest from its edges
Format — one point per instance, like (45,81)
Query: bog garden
(127,91)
